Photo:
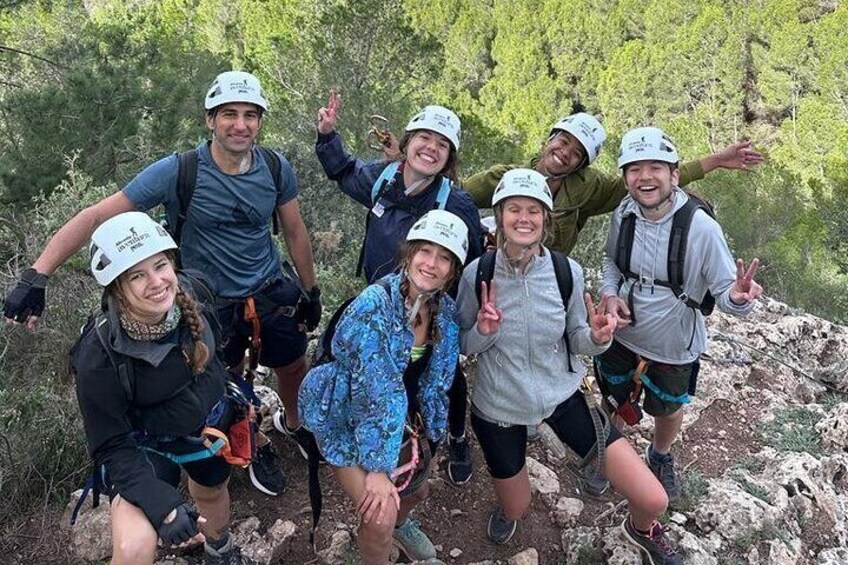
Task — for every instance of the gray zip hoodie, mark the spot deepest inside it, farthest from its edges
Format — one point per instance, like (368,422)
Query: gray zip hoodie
(522,369)
(667,330)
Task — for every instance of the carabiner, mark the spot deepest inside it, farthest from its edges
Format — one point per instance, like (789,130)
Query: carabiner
(378,136)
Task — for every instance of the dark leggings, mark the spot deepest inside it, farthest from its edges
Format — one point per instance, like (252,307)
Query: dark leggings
(457,403)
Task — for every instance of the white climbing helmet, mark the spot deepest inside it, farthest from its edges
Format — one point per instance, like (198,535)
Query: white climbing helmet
(586,129)
(235,86)
(646,144)
(443,228)
(438,119)
(121,242)
(524,182)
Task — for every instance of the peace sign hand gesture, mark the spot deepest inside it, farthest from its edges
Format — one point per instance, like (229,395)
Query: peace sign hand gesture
(601,324)
(328,114)
(488,317)
(745,289)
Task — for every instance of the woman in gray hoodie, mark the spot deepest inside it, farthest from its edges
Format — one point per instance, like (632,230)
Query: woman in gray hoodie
(528,371)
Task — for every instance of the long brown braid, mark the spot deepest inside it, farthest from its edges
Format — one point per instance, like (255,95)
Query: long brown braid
(193,318)
(408,251)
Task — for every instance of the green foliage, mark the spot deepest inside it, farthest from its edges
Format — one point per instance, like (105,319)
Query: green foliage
(695,488)
(793,429)
(751,487)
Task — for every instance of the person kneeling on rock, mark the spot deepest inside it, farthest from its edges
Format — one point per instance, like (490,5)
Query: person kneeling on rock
(148,381)
(379,408)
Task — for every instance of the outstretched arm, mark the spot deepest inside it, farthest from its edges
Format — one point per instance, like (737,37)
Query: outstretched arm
(25,304)
(738,156)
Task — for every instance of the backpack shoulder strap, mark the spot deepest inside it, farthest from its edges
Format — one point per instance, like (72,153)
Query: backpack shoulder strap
(624,244)
(485,272)
(122,365)
(677,242)
(382,181)
(206,296)
(273,162)
(444,194)
(186,182)
(565,282)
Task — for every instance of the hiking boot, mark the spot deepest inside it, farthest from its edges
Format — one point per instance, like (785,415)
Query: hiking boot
(459,460)
(654,544)
(265,473)
(230,554)
(413,542)
(500,529)
(301,436)
(591,483)
(662,466)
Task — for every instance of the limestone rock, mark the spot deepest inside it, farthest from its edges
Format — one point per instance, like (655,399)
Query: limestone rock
(566,512)
(527,557)
(340,549)
(91,536)
(834,428)
(262,549)
(542,479)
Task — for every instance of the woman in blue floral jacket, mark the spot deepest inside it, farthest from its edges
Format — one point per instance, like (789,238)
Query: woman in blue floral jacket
(395,349)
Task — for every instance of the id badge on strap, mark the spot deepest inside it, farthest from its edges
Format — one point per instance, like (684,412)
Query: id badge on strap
(378,209)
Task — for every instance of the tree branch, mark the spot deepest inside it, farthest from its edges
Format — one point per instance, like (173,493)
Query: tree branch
(33,55)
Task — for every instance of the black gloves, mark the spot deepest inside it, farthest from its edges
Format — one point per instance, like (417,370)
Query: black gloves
(27,298)
(309,308)
(182,528)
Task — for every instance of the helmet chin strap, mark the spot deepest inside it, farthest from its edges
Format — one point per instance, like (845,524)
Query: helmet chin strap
(423,296)
(525,249)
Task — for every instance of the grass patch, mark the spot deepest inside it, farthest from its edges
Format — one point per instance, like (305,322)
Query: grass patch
(751,464)
(793,430)
(753,489)
(695,487)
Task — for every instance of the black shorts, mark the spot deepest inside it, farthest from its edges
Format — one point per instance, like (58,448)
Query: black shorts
(667,387)
(209,472)
(505,446)
(283,342)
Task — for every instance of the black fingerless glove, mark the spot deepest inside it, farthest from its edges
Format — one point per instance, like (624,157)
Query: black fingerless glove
(309,308)
(27,298)
(182,528)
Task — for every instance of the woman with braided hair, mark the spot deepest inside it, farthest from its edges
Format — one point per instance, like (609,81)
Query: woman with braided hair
(148,381)
(383,397)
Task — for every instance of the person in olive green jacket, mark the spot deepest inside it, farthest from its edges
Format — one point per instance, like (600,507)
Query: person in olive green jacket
(581,192)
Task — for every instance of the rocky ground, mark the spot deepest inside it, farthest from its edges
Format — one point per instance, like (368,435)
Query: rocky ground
(764,456)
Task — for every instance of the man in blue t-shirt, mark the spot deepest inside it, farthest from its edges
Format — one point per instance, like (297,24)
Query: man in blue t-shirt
(226,236)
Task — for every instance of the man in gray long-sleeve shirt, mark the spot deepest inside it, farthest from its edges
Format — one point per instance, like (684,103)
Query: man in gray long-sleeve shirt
(658,323)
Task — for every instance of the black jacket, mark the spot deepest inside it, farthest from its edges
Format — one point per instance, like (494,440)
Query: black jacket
(166,399)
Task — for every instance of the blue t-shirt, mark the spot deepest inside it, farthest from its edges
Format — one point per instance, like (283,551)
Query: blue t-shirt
(226,234)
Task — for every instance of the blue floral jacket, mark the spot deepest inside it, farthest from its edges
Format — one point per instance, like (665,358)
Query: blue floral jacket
(356,406)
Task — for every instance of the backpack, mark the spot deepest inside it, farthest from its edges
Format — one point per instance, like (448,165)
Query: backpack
(562,271)
(676,252)
(380,189)
(324,350)
(187,181)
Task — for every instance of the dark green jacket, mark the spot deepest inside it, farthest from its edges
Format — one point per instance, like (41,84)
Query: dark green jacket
(583,194)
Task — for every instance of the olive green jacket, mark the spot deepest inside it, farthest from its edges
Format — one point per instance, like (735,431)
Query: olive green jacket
(583,194)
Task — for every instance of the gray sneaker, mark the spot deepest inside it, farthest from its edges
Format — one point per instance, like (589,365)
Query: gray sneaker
(654,544)
(592,484)
(230,554)
(500,529)
(664,470)
(413,542)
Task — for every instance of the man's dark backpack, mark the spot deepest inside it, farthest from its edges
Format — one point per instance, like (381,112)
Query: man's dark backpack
(562,271)
(676,252)
(187,181)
